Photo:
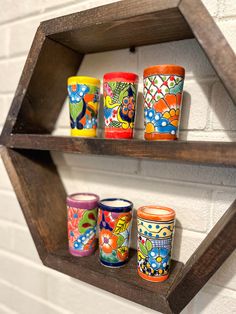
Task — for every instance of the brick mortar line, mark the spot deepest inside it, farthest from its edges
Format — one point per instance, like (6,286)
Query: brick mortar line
(87,4)
(7,192)
(36,13)
(14,225)
(225,19)
(16,58)
(6,309)
(35,297)
(209,286)
(10,57)
(189,77)
(25,261)
(139,176)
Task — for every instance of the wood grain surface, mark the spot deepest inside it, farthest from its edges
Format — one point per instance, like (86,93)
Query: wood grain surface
(123,282)
(123,24)
(215,153)
(41,195)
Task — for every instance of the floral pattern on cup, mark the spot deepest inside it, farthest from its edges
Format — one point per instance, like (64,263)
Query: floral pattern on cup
(83,103)
(162,105)
(114,231)
(155,226)
(81,230)
(120,95)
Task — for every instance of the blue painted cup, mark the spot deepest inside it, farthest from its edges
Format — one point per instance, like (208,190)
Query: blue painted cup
(114,223)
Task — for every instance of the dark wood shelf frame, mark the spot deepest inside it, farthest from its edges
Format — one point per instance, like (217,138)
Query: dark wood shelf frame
(56,53)
(212,153)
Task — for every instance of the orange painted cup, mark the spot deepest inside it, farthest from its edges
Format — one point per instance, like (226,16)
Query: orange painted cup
(155,234)
(163,90)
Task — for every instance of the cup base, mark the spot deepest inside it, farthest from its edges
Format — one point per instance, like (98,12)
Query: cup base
(160,137)
(118,133)
(80,253)
(83,132)
(153,279)
(112,265)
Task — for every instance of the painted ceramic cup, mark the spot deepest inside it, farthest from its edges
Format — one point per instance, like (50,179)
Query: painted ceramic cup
(155,234)
(82,221)
(114,223)
(163,90)
(120,96)
(84,94)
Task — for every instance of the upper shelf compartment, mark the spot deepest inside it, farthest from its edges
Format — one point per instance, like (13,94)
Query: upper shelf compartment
(58,49)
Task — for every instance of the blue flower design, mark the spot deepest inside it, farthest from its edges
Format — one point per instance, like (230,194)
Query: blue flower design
(107,112)
(161,124)
(84,238)
(78,245)
(76,92)
(159,258)
(149,115)
(96,96)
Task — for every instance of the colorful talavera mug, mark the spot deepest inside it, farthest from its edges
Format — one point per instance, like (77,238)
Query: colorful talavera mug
(114,223)
(84,94)
(155,234)
(163,89)
(82,221)
(120,96)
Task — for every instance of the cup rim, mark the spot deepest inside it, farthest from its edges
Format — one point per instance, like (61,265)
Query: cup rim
(164,69)
(84,204)
(83,80)
(115,208)
(156,217)
(121,77)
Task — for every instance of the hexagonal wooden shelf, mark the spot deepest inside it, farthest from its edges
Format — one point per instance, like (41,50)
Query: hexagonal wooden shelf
(56,53)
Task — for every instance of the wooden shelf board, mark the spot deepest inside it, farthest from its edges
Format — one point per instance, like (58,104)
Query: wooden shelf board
(123,282)
(105,28)
(216,153)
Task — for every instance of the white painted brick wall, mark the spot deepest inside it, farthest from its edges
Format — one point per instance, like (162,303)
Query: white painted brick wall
(200,194)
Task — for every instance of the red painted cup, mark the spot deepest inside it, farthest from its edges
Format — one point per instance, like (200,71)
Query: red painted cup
(120,96)
(82,221)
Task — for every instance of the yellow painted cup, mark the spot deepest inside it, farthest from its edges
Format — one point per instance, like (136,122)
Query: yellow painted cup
(84,94)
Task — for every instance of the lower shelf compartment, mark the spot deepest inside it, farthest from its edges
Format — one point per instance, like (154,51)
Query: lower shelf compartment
(48,228)
(124,281)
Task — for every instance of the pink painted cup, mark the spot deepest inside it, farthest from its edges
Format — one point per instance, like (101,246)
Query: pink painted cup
(82,221)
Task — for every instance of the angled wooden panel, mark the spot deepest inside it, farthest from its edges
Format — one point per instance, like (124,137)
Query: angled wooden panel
(41,195)
(124,282)
(30,65)
(42,87)
(210,255)
(216,153)
(213,42)
(120,25)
